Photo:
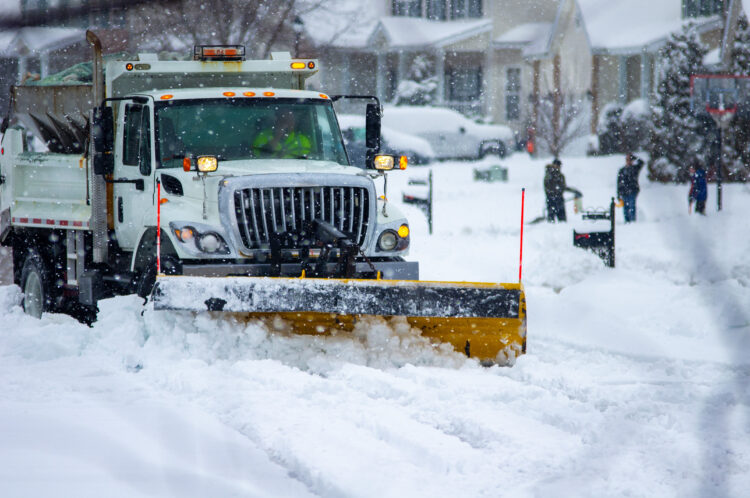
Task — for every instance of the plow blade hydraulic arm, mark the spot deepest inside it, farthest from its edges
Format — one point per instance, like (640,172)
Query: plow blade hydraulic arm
(483,320)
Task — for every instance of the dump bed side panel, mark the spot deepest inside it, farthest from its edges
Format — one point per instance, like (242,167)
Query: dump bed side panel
(49,191)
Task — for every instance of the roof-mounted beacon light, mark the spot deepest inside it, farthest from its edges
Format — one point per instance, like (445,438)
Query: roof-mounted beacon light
(219,53)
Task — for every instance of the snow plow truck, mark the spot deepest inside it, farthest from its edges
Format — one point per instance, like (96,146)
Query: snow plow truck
(220,185)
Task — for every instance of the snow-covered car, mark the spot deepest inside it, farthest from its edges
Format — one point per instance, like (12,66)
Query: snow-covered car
(416,149)
(451,134)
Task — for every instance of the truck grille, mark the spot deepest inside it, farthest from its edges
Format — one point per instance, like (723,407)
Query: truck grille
(261,212)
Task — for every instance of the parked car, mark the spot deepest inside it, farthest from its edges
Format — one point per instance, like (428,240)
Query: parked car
(451,134)
(416,149)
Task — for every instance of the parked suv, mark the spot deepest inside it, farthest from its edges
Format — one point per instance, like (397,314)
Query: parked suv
(451,134)
(416,149)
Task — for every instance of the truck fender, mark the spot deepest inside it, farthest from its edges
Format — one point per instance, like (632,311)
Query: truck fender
(146,248)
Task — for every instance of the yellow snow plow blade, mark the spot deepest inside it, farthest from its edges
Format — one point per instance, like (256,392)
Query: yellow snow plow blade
(486,321)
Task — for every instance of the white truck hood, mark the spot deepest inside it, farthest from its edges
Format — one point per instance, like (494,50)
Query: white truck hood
(193,187)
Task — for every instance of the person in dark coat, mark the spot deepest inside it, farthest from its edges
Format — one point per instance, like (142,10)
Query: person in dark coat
(627,185)
(698,189)
(554,186)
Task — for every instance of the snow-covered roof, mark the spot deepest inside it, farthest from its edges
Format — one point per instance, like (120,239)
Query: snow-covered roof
(343,23)
(629,26)
(22,41)
(412,32)
(403,32)
(524,35)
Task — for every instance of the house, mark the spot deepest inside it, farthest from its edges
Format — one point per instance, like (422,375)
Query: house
(500,59)
(33,52)
(38,38)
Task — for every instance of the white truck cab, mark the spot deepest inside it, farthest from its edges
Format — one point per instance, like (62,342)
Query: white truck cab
(215,167)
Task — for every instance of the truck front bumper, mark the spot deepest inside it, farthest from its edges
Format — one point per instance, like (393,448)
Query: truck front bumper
(389,270)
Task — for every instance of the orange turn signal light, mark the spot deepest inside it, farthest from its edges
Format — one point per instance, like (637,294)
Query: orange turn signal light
(402,162)
(129,66)
(403,231)
(184,234)
(166,96)
(323,95)
(311,65)
(186,164)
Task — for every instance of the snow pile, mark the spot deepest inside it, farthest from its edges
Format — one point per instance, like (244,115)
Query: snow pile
(635,382)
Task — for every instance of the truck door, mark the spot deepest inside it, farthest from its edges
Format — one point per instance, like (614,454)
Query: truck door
(134,200)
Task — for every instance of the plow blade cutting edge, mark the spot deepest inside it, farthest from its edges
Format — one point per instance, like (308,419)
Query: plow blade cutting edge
(486,321)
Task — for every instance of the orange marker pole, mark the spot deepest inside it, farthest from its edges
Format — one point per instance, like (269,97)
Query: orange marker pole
(158,227)
(520,258)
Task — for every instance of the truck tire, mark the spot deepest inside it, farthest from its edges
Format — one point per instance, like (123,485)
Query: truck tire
(37,285)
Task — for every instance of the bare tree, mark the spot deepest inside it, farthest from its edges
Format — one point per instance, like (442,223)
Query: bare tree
(260,25)
(561,120)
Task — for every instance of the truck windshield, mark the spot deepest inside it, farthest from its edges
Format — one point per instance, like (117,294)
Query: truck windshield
(238,129)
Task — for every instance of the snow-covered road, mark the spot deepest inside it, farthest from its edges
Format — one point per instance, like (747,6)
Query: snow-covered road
(636,382)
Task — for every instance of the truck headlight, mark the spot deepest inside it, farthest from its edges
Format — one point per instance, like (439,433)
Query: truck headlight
(210,242)
(388,240)
(207,241)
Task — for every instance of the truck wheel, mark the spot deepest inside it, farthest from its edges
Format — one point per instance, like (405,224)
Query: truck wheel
(36,283)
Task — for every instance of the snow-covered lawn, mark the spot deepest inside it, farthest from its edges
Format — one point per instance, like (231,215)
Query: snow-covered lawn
(636,381)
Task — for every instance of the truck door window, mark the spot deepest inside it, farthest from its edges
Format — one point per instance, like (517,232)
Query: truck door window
(326,131)
(132,134)
(144,162)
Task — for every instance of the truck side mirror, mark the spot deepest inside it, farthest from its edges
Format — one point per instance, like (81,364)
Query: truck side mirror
(102,137)
(372,133)
(372,127)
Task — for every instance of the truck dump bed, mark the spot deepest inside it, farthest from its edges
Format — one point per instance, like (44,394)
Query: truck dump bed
(58,114)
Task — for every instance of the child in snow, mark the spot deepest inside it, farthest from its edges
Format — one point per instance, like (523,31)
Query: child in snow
(554,186)
(627,185)
(698,189)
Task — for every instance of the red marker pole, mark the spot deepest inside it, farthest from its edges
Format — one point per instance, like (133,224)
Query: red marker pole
(158,227)
(520,257)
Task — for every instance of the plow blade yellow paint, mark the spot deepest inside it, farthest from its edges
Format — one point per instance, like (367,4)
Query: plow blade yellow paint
(486,321)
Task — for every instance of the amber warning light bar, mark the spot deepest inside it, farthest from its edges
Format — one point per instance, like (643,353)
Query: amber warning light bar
(219,53)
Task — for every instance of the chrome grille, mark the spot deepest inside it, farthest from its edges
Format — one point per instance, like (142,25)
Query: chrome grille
(261,211)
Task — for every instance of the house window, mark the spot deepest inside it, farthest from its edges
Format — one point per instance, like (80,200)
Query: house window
(436,10)
(464,85)
(475,8)
(461,9)
(513,94)
(407,8)
(458,9)
(699,8)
